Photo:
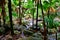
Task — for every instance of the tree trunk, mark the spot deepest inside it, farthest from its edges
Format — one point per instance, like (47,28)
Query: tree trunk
(3,13)
(45,33)
(56,35)
(20,12)
(2,4)
(10,16)
(37,16)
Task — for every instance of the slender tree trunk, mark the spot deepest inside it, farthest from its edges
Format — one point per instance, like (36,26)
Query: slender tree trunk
(56,35)
(2,5)
(45,33)
(3,13)
(10,16)
(20,12)
(37,16)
